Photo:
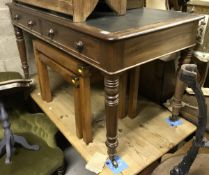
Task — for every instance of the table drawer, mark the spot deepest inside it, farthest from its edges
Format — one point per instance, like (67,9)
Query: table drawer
(29,21)
(78,43)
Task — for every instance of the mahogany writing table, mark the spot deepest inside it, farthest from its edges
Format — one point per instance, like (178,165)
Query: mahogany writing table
(111,44)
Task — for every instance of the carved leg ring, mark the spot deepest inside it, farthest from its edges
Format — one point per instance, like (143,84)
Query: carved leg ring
(111,105)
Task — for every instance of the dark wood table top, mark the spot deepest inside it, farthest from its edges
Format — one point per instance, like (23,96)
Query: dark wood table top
(138,21)
(111,27)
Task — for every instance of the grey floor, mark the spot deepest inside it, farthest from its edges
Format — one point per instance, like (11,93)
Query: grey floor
(76,164)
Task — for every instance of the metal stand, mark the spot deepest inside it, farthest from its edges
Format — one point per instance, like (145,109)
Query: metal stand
(10,139)
(188,75)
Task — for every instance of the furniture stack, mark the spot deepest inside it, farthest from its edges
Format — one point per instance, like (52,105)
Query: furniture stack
(111,44)
(78,73)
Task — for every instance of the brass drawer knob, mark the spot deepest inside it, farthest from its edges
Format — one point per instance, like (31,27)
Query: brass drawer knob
(51,33)
(79,46)
(75,81)
(16,17)
(30,23)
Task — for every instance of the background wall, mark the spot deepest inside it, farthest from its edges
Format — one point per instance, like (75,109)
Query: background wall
(9,56)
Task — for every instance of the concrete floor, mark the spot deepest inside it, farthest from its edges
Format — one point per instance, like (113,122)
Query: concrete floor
(75,163)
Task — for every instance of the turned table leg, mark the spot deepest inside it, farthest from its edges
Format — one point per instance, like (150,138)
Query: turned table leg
(111,83)
(180,86)
(22,50)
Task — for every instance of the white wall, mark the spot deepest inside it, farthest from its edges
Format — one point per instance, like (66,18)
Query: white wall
(9,57)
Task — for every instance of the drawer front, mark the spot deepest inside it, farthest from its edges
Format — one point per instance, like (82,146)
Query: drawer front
(31,22)
(77,42)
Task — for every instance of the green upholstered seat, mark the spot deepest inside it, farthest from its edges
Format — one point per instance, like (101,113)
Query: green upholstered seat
(6,76)
(37,129)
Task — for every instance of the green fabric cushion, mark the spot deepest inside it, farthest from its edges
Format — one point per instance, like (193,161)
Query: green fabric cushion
(5,76)
(38,124)
(37,129)
(25,162)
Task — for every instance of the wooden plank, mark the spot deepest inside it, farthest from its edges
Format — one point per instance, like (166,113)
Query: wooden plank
(43,78)
(132,4)
(85,98)
(151,137)
(63,6)
(118,6)
(79,9)
(82,9)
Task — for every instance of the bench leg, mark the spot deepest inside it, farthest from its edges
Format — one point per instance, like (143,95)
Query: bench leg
(122,112)
(22,50)
(133,92)
(43,79)
(78,114)
(85,101)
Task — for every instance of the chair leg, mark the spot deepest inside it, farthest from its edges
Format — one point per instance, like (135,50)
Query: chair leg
(85,99)
(122,112)
(24,143)
(60,171)
(43,79)
(133,92)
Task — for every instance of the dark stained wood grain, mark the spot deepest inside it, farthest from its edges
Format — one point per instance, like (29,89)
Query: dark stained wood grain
(121,54)
(159,43)
(22,50)
(111,105)
(136,22)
